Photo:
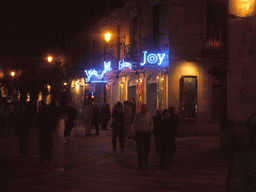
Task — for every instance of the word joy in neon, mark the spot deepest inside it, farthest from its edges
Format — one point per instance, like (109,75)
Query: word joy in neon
(123,64)
(152,58)
(93,72)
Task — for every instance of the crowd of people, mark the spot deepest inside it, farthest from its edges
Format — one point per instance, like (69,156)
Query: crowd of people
(127,125)
(45,118)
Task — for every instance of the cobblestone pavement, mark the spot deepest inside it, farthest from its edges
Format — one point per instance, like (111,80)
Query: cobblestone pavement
(89,164)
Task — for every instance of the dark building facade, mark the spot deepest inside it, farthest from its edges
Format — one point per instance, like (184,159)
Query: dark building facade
(166,53)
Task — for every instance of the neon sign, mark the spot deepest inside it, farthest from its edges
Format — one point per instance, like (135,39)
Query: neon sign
(93,72)
(124,64)
(99,81)
(152,58)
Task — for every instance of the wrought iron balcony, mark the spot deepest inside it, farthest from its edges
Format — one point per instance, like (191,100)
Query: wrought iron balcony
(214,45)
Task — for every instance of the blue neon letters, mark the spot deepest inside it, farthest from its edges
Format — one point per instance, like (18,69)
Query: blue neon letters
(99,75)
(152,58)
(124,64)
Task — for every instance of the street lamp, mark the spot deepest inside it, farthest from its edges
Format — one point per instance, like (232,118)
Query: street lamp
(12,73)
(107,37)
(49,59)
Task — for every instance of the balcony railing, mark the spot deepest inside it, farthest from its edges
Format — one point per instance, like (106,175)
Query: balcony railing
(134,50)
(131,52)
(213,45)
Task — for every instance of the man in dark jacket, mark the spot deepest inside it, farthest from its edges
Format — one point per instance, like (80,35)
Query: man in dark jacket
(23,123)
(70,116)
(96,117)
(166,137)
(118,126)
(45,127)
(3,125)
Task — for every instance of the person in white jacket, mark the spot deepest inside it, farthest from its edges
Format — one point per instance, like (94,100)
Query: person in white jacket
(143,125)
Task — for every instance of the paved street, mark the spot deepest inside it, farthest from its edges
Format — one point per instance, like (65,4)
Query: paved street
(89,164)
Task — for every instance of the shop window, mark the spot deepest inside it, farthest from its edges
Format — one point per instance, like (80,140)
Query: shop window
(188,97)
(161,93)
(122,92)
(156,21)
(216,30)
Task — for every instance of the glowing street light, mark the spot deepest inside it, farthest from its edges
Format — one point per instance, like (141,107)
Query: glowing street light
(107,37)
(12,73)
(49,59)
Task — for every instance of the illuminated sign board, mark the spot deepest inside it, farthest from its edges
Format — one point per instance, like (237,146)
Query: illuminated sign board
(123,64)
(152,58)
(97,74)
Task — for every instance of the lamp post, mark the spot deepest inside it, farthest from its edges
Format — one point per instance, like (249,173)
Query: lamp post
(13,92)
(49,59)
(107,37)
(119,44)
(12,73)
(56,77)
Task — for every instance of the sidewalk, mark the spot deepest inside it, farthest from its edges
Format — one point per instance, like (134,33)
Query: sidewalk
(89,164)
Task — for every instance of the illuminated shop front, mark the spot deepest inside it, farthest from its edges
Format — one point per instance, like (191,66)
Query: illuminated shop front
(192,95)
(146,82)
(158,82)
(78,90)
(164,58)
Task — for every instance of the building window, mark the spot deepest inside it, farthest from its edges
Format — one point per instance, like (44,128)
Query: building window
(216,27)
(122,92)
(133,49)
(161,93)
(156,21)
(188,97)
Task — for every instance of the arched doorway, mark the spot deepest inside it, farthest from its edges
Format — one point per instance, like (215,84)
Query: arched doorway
(152,94)
(115,93)
(132,88)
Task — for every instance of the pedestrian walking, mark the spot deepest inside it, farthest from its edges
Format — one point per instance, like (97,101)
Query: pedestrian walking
(11,111)
(166,137)
(96,117)
(118,126)
(242,168)
(87,117)
(73,106)
(44,125)
(128,119)
(105,117)
(23,124)
(3,124)
(133,105)
(143,125)
(157,121)
(32,110)
(69,117)
(54,111)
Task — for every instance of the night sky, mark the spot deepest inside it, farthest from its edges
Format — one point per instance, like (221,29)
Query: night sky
(28,29)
